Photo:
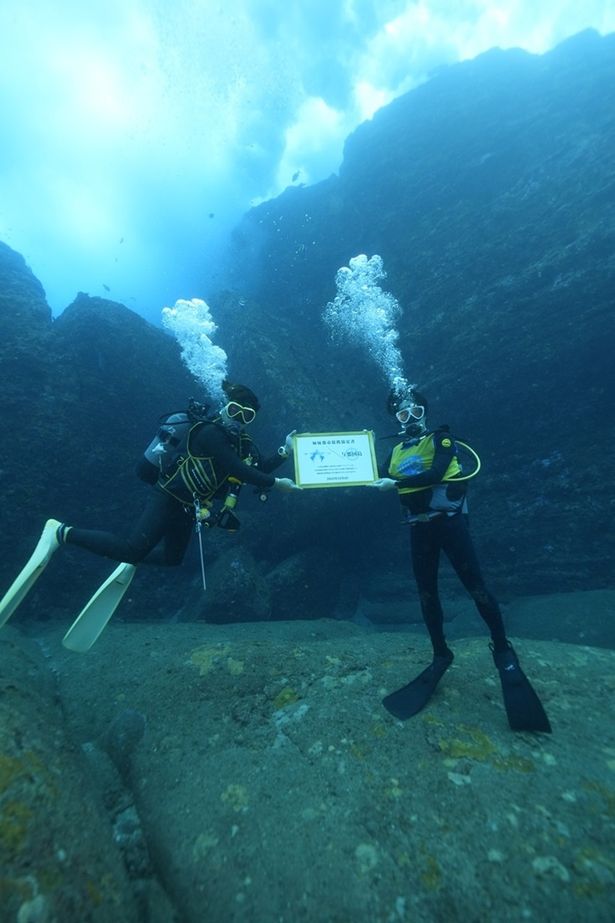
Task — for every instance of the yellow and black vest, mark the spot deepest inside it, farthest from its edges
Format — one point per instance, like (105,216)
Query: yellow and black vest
(425,502)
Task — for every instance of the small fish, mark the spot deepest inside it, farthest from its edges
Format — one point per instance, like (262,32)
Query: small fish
(106,287)
(295,176)
(212,214)
(121,240)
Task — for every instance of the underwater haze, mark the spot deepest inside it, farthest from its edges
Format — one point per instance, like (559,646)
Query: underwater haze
(316,718)
(137,132)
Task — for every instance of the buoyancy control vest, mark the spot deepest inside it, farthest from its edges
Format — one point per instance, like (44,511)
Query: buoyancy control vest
(414,456)
(194,476)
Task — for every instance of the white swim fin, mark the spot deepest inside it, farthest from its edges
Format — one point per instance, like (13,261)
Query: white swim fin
(93,618)
(39,559)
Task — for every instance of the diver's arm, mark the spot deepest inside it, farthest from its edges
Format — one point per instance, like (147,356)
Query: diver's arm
(213,442)
(383,467)
(383,481)
(284,452)
(273,463)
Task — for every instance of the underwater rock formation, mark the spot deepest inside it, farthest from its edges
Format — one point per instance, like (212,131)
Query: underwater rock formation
(57,854)
(273,785)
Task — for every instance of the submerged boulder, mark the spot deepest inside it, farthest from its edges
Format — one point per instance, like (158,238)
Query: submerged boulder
(57,853)
(270,773)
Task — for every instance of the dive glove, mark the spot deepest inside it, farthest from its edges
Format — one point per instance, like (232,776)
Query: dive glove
(286,485)
(383,483)
(287,449)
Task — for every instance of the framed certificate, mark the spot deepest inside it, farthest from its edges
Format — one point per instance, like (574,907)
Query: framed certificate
(335,459)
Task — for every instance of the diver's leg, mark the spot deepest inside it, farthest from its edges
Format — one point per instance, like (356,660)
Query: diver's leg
(148,531)
(178,530)
(177,538)
(523,707)
(425,553)
(458,546)
(414,696)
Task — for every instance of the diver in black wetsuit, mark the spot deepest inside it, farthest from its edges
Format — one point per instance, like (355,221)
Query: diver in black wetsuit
(431,485)
(218,453)
(192,461)
(436,511)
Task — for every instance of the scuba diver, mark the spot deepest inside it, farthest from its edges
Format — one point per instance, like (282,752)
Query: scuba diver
(431,484)
(217,453)
(193,461)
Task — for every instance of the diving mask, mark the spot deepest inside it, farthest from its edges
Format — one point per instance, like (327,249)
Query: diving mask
(239,413)
(411,413)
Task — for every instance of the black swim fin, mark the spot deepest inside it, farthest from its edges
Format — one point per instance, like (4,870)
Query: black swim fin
(411,699)
(523,707)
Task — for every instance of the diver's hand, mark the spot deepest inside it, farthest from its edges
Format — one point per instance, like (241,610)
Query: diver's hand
(286,485)
(287,449)
(383,484)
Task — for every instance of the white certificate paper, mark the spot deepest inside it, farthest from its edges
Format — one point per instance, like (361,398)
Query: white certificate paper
(335,459)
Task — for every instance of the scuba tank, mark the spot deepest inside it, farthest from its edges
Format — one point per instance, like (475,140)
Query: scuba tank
(171,441)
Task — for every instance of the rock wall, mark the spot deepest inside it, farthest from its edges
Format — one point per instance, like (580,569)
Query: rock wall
(83,395)
(488,192)
(57,854)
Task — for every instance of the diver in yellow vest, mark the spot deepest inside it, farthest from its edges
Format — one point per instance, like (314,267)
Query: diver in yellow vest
(426,471)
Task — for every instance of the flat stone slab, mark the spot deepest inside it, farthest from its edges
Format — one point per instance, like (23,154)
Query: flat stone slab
(272,785)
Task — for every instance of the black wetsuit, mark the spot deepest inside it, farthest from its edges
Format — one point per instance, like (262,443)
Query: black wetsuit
(166,521)
(433,532)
